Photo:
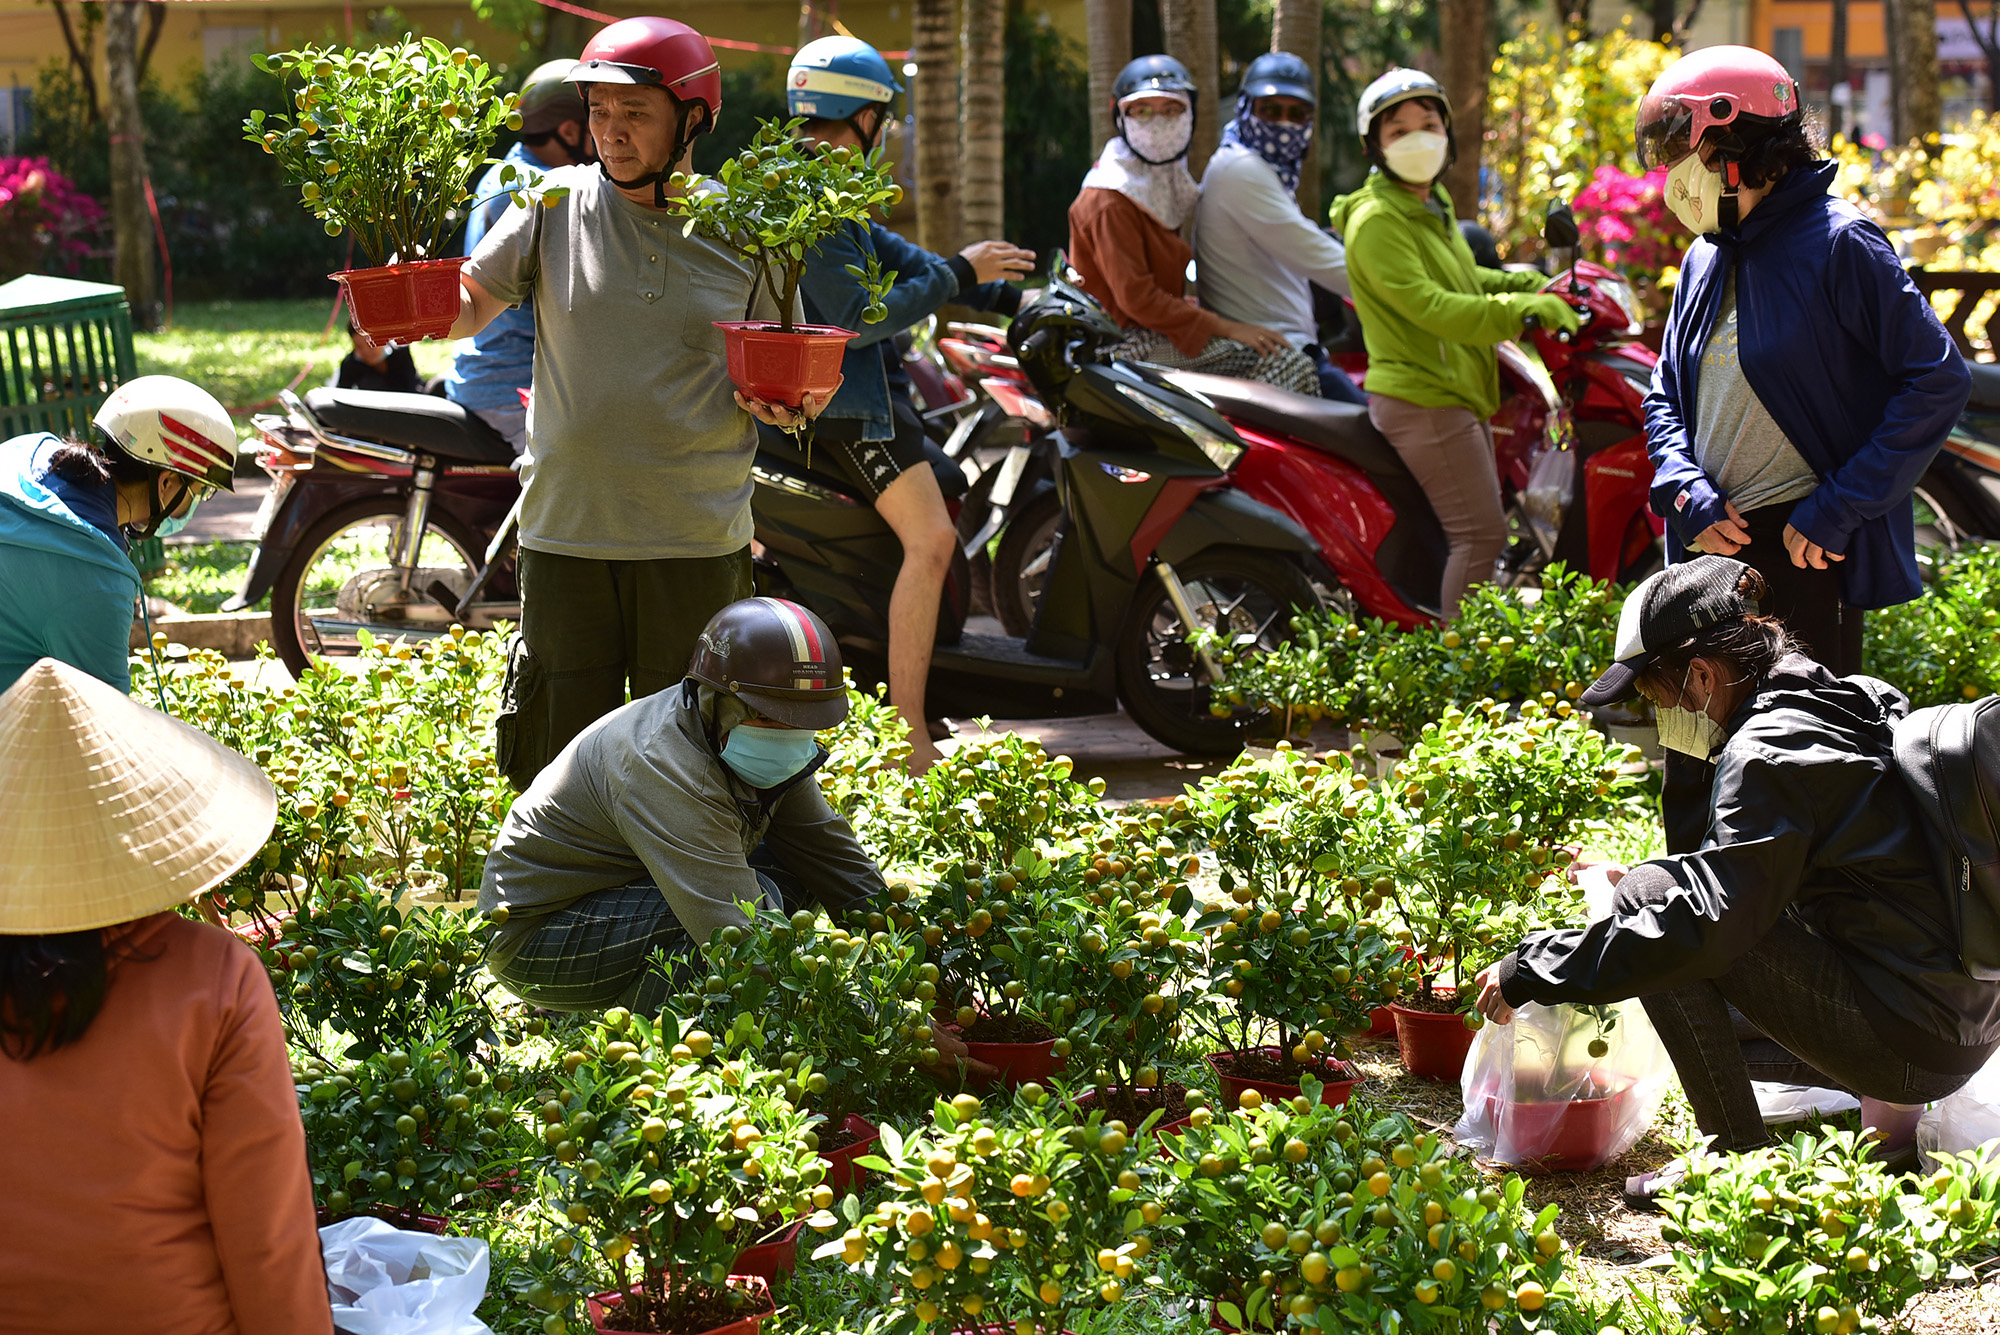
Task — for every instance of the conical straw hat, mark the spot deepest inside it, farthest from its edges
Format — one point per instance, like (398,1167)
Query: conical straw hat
(109,810)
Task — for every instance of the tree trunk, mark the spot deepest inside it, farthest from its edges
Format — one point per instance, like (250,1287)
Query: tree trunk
(1110,23)
(1664,16)
(1295,27)
(131,228)
(983,119)
(1836,71)
(934,47)
(1919,109)
(1189,28)
(1466,63)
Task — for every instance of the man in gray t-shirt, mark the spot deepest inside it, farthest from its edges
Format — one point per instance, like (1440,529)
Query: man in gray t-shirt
(635,525)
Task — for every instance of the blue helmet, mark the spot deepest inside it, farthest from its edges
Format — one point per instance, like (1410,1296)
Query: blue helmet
(832,78)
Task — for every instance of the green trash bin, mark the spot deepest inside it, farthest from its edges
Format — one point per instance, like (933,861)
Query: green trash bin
(67,345)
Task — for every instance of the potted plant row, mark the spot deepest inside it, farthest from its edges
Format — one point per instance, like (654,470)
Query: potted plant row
(381,144)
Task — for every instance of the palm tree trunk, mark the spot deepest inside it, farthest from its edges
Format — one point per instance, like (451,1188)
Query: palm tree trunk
(1837,121)
(934,47)
(1191,38)
(1295,27)
(131,230)
(1919,110)
(983,118)
(1467,62)
(1110,27)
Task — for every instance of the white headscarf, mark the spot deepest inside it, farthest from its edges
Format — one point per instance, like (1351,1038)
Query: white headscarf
(1163,189)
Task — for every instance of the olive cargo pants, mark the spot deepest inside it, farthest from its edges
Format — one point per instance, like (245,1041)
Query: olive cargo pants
(588,628)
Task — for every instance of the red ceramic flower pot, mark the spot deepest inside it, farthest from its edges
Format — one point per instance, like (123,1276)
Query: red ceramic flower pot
(1381,1022)
(779,366)
(1561,1137)
(841,1174)
(1087,1100)
(1337,1077)
(1018,1063)
(401,303)
(772,1257)
(598,1305)
(1434,1046)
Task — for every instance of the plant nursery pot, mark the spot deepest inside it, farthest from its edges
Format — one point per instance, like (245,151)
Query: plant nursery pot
(841,1174)
(772,1258)
(409,1221)
(1087,1100)
(1433,1045)
(1018,1063)
(777,366)
(601,1305)
(401,303)
(1381,1022)
(1572,1136)
(1338,1085)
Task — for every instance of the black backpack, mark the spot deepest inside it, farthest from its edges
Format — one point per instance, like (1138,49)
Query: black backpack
(1950,757)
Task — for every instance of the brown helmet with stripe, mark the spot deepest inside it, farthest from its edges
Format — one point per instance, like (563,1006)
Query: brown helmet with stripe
(776,657)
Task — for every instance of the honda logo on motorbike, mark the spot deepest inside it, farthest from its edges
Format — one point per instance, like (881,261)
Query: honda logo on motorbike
(1125,474)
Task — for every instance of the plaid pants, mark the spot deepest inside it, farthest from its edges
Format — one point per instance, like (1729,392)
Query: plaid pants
(621,947)
(1287,368)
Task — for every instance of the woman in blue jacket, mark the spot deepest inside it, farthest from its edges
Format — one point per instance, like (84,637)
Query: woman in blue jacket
(67,509)
(1804,384)
(843,86)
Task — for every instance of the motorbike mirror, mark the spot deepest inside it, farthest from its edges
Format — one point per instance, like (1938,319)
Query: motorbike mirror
(1560,230)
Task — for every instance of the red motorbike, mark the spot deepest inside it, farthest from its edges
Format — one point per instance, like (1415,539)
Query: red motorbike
(1569,443)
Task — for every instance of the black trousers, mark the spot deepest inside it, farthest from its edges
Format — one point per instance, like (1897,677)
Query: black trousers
(1809,603)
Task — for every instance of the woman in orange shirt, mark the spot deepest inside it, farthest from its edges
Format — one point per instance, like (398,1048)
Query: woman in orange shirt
(1124,239)
(153,1162)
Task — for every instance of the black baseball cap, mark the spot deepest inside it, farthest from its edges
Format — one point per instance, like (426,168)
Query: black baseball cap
(1667,610)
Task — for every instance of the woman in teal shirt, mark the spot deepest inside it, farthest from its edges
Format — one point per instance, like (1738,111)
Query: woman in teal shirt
(68,508)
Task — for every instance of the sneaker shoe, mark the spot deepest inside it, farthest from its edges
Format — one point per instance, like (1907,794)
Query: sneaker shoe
(1642,1193)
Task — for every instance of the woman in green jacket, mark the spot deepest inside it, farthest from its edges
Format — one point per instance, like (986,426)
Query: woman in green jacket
(1431,317)
(67,509)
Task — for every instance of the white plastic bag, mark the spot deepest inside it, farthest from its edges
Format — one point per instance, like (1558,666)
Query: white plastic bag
(1795,1103)
(1551,478)
(1964,1120)
(385,1281)
(1538,1099)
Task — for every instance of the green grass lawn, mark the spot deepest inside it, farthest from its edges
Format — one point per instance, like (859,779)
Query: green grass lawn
(244,352)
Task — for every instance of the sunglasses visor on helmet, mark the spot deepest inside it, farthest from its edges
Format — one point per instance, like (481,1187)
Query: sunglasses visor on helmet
(1665,130)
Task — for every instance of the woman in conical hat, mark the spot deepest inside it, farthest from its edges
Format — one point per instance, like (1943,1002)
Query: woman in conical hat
(154,1163)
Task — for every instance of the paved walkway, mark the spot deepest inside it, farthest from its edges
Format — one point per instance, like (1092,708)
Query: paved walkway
(227,516)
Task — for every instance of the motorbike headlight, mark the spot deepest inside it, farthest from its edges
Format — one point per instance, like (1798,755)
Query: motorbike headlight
(1221,451)
(1621,292)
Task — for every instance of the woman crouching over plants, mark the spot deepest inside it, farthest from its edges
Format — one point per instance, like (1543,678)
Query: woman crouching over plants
(1812,907)
(156,1170)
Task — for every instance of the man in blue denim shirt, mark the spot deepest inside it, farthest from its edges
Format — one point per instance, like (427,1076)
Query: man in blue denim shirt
(491,369)
(843,86)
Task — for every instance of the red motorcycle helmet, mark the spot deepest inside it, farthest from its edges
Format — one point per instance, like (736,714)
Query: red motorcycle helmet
(1732,96)
(660,53)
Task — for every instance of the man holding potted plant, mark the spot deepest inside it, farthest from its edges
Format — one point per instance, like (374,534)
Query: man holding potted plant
(635,522)
(842,86)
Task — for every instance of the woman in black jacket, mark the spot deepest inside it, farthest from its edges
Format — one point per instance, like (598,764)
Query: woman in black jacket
(1812,908)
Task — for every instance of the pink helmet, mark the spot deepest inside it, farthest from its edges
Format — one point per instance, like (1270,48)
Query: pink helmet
(1737,87)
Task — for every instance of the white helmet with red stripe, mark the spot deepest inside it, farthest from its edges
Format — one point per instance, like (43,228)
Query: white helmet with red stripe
(164,421)
(778,658)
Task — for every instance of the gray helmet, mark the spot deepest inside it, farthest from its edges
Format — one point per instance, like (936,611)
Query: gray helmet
(547,101)
(1154,74)
(1398,85)
(1280,74)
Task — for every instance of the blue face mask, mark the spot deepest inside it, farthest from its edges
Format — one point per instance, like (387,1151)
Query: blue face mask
(766,757)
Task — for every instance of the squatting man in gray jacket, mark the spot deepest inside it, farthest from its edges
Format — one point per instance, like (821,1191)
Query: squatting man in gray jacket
(666,819)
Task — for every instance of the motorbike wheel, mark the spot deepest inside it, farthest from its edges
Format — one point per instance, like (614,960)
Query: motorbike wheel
(1944,522)
(1021,561)
(1232,591)
(334,561)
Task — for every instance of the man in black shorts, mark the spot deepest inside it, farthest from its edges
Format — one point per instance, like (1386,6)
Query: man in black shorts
(842,86)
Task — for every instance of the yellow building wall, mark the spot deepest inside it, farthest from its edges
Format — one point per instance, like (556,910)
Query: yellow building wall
(1814,19)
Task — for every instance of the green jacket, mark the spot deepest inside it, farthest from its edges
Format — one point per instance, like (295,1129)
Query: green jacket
(1429,315)
(66,590)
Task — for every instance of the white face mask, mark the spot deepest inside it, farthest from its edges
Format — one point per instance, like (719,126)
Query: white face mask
(1161,139)
(1417,157)
(1689,731)
(1694,193)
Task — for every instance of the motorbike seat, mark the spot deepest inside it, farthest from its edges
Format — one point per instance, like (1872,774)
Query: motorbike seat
(415,421)
(1340,429)
(1985,386)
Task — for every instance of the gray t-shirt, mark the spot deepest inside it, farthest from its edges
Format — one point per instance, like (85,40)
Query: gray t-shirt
(1736,442)
(640,795)
(637,450)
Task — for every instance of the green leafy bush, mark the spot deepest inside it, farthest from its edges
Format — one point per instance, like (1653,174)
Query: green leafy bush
(1298,1216)
(1812,1235)
(1944,646)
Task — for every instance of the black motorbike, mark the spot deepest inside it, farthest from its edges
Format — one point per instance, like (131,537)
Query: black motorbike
(1153,543)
